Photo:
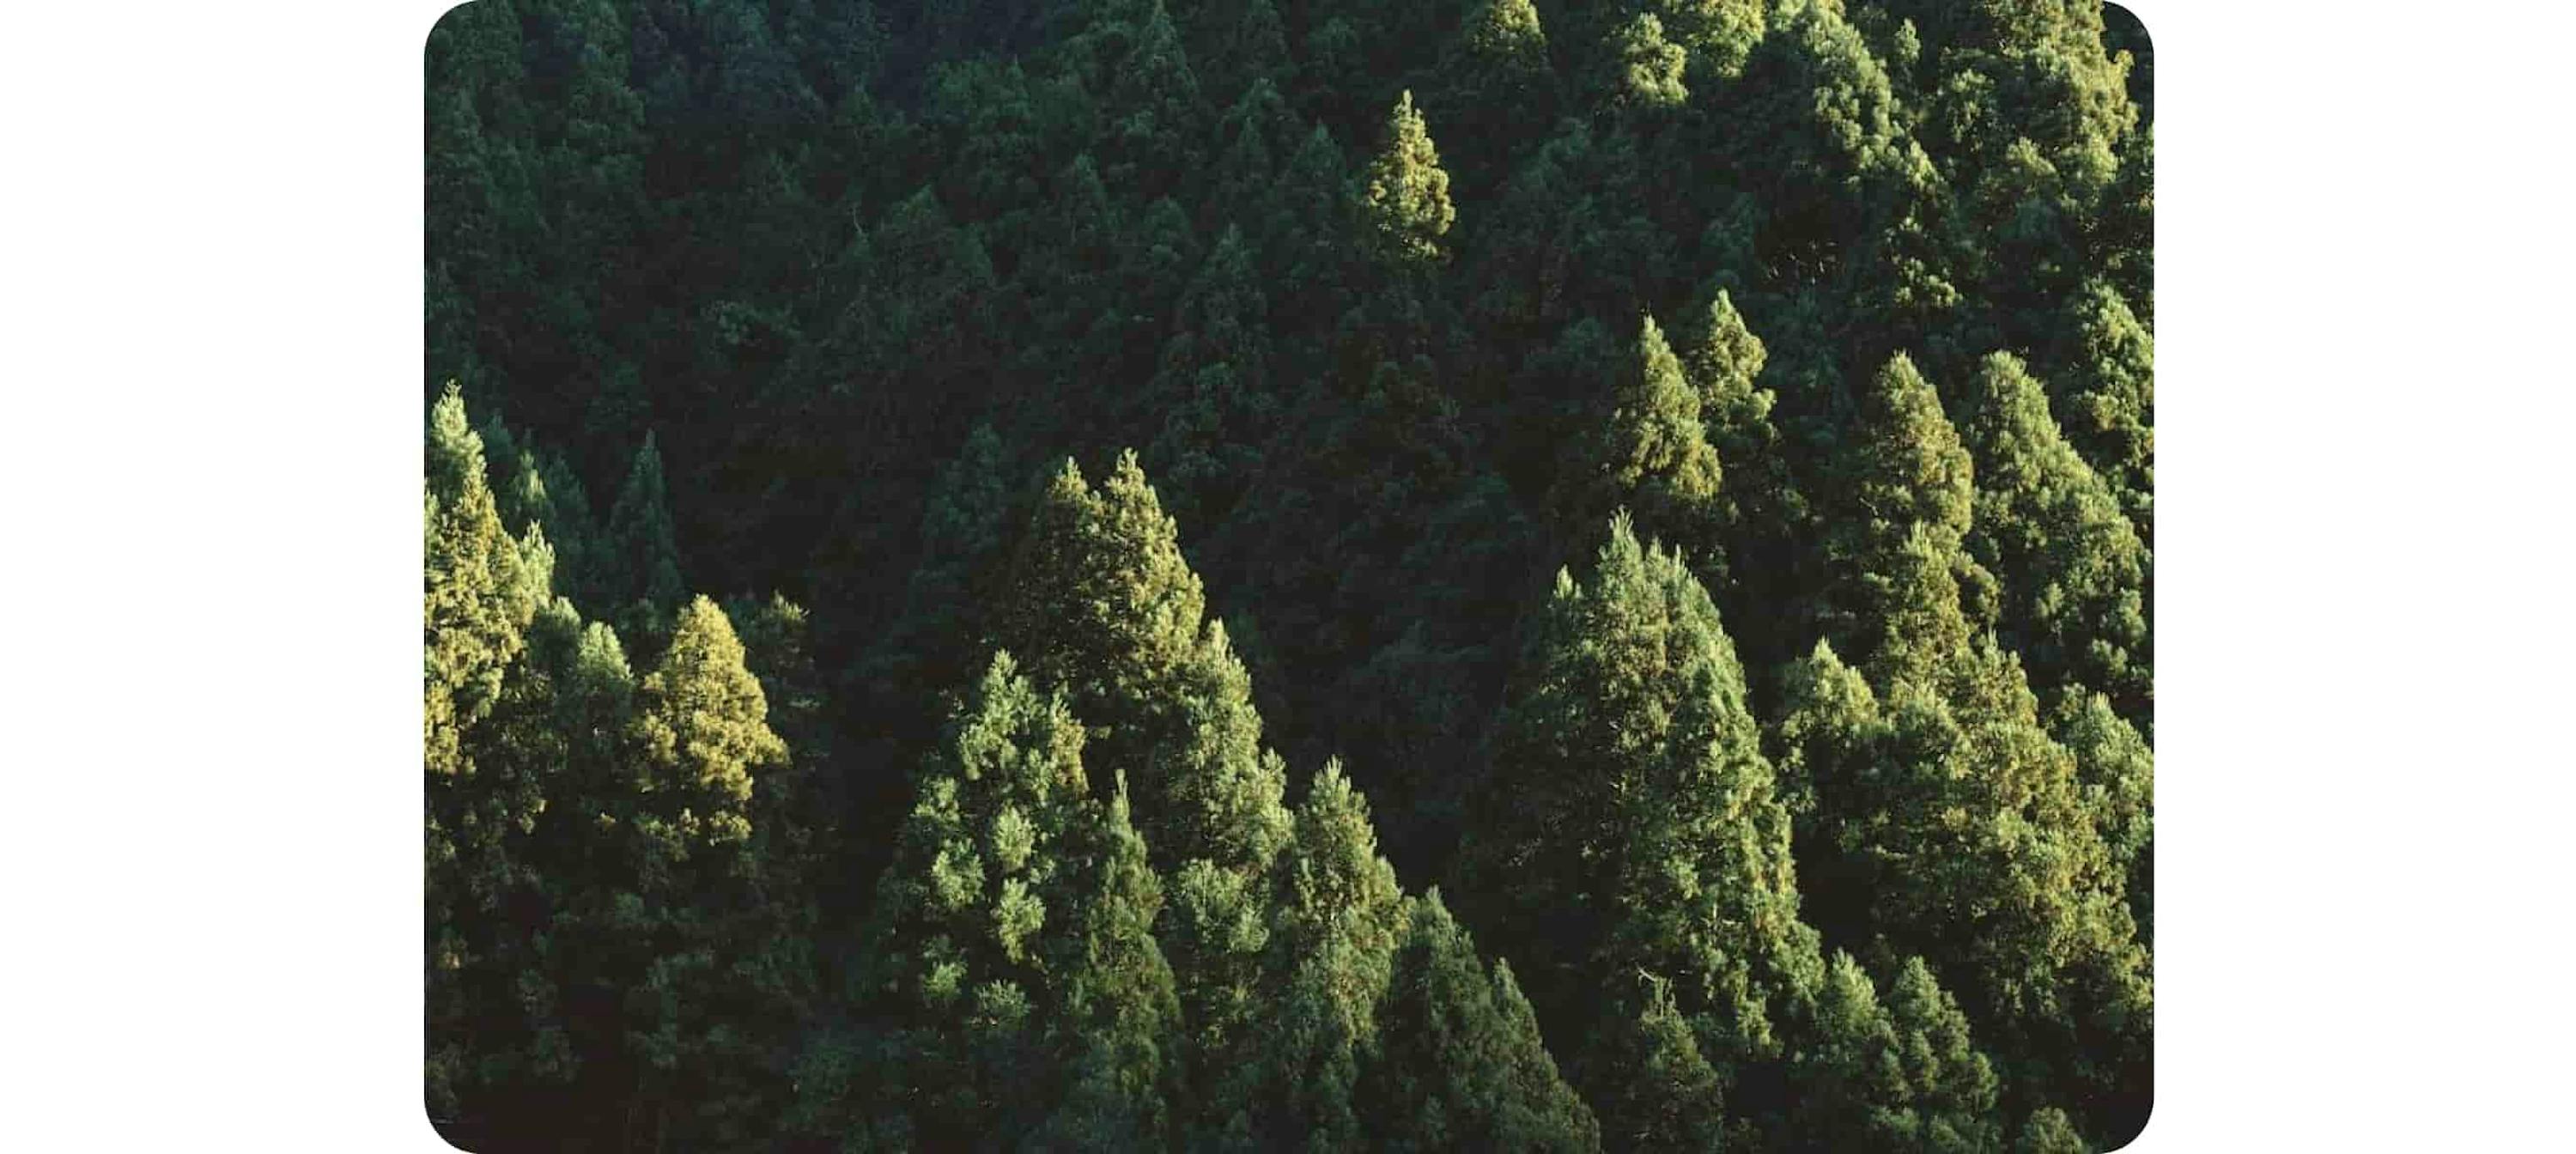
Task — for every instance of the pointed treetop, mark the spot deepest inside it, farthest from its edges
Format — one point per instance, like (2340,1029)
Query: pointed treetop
(1726,358)
(1914,470)
(1406,193)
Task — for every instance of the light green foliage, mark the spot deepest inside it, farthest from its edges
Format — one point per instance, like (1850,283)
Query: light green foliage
(798,295)
(992,911)
(1404,191)
(1338,917)
(479,602)
(2117,771)
(2107,400)
(1720,34)
(2049,1132)
(1895,1076)
(1648,68)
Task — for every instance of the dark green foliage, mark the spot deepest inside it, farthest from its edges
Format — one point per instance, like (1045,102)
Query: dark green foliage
(1653,1089)
(1013,914)
(2073,571)
(1462,1065)
(1895,1076)
(823,297)
(1632,824)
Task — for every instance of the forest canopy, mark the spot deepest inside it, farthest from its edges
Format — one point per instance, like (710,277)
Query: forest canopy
(1250,575)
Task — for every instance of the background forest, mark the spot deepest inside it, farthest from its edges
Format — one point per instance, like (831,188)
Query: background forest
(1262,575)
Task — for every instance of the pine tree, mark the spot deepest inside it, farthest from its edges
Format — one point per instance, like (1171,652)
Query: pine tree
(1894,548)
(1110,613)
(2117,772)
(1405,193)
(1646,69)
(1214,388)
(1898,1076)
(1125,1088)
(1762,511)
(1953,827)
(2106,398)
(482,589)
(1494,85)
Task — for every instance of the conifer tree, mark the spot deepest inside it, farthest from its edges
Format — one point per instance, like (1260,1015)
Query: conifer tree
(1215,388)
(1650,455)
(1763,513)
(1124,1089)
(1654,1089)
(1897,532)
(1953,827)
(2106,400)
(2050,1132)
(1009,942)
(1339,918)
(1898,1076)
(643,548)
(1632,823)
(2073,570)
(481,594)
(1405,193)
(716,967)
(1110,613)
(2117,771)
(1646,68)
(1461,1065)
(1494,85)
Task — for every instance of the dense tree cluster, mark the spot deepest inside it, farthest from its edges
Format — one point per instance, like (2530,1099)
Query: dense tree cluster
(1268,574)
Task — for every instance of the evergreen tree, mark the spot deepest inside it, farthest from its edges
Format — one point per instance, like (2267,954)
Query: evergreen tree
(1650,455)
(1339,918)
(1655,1090)
(1956,830)
(1405,193)
(2049,1132)
(1633,824)
(1899,1076)
(1009,940)
(2107,398)
(1109,612)
(715,967)
(482,591)
(2072,568)
(643,548)
(1461,1065)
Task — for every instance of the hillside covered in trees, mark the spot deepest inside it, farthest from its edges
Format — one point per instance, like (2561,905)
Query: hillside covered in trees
(1289,574)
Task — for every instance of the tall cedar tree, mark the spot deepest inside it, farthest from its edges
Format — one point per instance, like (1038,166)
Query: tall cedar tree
(1631,825)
